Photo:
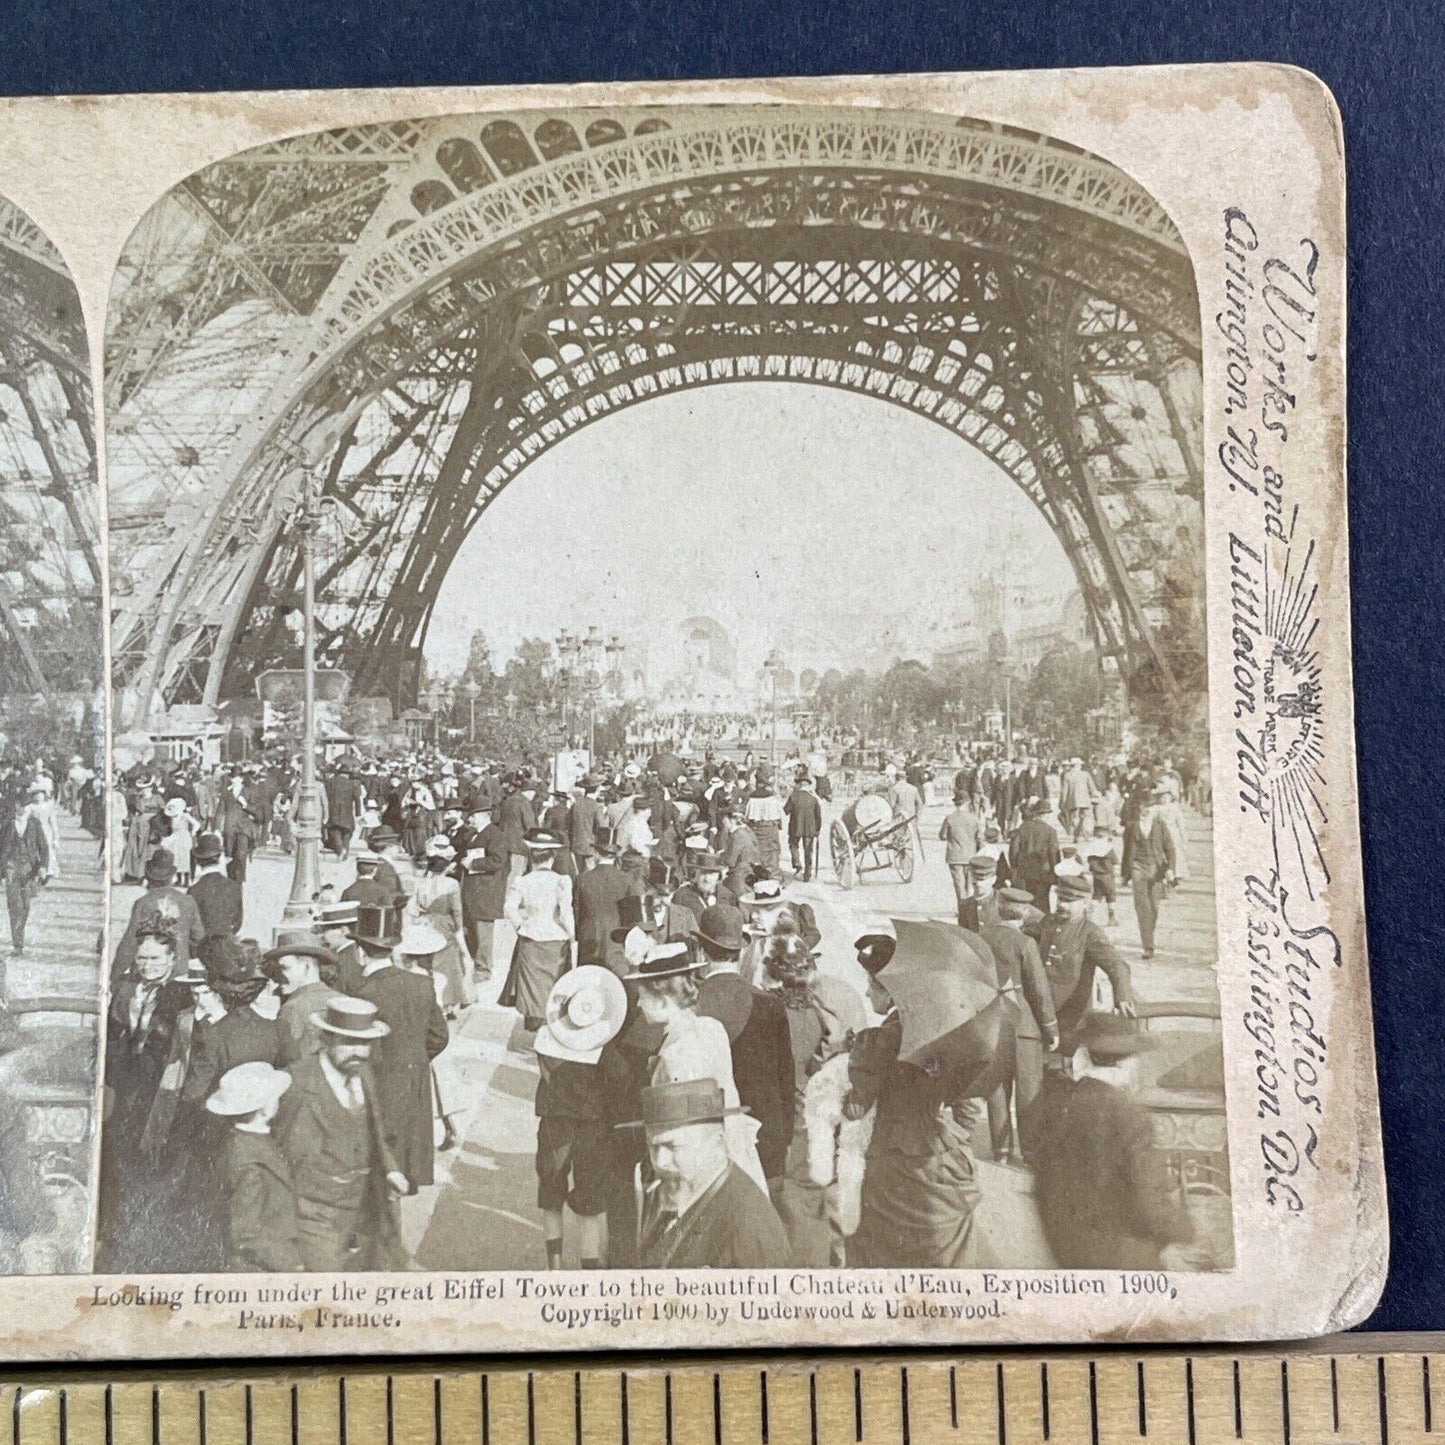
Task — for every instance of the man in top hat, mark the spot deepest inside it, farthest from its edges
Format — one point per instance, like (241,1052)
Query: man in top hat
(805,822)
(219,900)
(306,973)
(335,925)
(706,889)
(598,901)
(406,1003)
(1036,1029)
(24,861)
(1034,853)
(161,902)
(575,1161)
(1105,1198)
(703,1211)
(756,1021)
(329,1128)
(1153,866)
(1073,949)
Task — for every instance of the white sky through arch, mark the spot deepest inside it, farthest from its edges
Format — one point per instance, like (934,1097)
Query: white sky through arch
(838,527)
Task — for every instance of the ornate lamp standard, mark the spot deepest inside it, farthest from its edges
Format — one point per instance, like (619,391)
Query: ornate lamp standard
(569,651)
(306,820)
(773,664)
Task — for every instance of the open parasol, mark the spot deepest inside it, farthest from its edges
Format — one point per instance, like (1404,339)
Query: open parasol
(668,767)
(958,1023)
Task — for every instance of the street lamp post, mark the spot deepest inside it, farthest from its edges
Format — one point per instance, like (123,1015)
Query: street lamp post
(773,664)
(473,691)
(306,821)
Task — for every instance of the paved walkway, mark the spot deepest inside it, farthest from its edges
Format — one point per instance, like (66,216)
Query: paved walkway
(481,1213)
(62,938)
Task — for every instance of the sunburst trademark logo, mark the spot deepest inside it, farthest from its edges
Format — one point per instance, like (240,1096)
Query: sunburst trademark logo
(1292,738)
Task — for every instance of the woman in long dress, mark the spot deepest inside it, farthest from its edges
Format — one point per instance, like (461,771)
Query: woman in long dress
(539,908)
(42,809)
(438,898)
(920,1189)
(693,1045)
(180,837)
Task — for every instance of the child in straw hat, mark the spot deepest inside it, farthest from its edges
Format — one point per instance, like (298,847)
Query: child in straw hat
(261,1227)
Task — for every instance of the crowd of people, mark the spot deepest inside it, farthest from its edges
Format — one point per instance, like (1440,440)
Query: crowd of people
(709,1091)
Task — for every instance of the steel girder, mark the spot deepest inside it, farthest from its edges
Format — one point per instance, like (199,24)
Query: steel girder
(50,575)
(704,234)
(965,343)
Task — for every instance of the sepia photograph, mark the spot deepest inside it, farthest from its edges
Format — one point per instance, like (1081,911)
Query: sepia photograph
(52,749)
(659,703)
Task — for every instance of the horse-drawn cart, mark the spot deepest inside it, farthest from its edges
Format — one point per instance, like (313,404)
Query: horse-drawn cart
(866,838)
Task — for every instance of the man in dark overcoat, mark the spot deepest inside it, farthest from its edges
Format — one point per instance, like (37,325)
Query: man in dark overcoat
(805,822)
(329,1127)
(344,801)
(1105,1197)
(406,1003)
(220,900)
(1034,853)
(597,897)
(484,864)
(756,1021)
(1036,1029)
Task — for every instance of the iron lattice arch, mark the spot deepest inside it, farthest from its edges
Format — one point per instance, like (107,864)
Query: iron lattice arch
(50,617)
(1028,297)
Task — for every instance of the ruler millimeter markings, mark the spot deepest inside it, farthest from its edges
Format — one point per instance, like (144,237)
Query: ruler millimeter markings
(1378,1396)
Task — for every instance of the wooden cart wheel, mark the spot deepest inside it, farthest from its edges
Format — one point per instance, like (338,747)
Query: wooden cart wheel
(903,861)
(841,848)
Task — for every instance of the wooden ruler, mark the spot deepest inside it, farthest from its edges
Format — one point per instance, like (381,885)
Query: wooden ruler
(1356,1390)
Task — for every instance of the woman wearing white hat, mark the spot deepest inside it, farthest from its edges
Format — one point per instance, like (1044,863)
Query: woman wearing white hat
(42,809)
(539,908)
(693,1045)
(179,838)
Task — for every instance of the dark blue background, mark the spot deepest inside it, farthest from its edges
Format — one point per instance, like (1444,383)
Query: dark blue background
(1383,62)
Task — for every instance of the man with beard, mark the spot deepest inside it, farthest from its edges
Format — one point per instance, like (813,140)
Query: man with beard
(330,1130)
(703,1211)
